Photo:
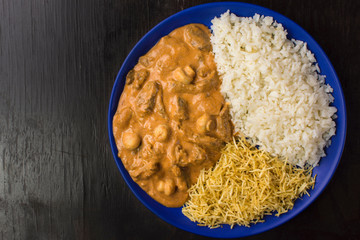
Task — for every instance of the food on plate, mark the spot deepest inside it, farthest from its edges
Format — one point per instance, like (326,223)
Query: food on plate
(229,147)
(172,121)
(278,97)
(245,185)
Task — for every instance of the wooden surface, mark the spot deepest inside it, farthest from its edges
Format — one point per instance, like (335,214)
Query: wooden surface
(58,62)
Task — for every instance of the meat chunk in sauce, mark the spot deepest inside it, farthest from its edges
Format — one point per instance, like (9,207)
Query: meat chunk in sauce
(179,108)
(172,120)
(145,100)
(224,130)
(196,156)
(137,78)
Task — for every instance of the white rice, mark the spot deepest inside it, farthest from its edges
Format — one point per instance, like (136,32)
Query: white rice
(278,97)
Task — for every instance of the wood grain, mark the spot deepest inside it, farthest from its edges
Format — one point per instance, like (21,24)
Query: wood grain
(58,62)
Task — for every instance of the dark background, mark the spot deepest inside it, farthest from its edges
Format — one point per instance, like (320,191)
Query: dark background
(58,63)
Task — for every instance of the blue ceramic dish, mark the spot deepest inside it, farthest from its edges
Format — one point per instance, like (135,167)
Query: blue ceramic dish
(204,14)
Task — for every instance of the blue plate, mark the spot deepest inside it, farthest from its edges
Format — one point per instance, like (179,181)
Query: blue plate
(203,14)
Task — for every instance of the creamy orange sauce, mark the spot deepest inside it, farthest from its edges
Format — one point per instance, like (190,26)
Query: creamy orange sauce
(172,120)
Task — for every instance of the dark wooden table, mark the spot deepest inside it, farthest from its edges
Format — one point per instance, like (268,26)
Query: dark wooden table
(58,62)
